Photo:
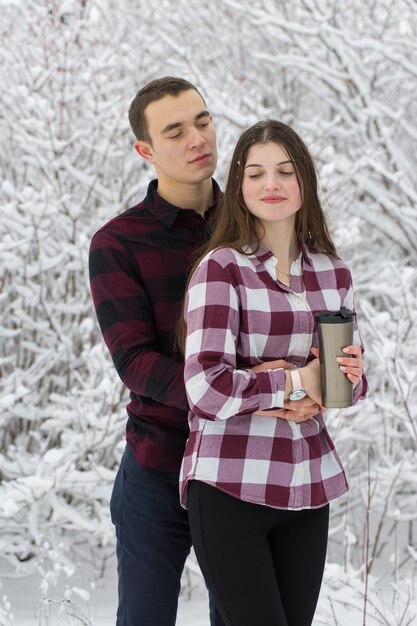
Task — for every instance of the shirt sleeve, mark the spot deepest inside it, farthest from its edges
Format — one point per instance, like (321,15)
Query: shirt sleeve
(216,388)
(125,317)
(361,390)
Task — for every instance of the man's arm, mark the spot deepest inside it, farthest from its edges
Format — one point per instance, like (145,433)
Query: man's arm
(126,320)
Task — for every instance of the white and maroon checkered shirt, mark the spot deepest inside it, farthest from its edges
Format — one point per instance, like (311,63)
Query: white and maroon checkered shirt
(238,315)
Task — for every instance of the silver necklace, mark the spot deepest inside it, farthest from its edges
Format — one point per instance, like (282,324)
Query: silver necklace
(281,272)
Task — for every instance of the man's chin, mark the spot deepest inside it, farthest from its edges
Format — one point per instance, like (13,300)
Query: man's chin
(203,175)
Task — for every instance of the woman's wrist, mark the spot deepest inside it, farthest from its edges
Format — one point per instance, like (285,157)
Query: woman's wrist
(288,384)
(306,379)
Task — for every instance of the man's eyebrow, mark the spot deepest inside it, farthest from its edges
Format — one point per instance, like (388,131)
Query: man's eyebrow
(258,165)
(174,125)
(202,114)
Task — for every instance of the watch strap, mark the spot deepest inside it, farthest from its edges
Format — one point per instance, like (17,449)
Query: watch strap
(297,385)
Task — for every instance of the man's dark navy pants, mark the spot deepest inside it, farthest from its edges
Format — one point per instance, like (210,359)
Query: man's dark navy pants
(153,542)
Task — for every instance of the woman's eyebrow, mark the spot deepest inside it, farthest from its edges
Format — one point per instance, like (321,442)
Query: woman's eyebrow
(258,165)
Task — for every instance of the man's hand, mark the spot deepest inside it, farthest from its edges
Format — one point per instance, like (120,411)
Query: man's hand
(271,365)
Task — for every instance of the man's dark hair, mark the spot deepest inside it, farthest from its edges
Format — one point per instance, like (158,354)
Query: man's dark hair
(152,91)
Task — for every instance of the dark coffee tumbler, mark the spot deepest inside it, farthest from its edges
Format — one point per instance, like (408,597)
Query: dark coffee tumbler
(335,332)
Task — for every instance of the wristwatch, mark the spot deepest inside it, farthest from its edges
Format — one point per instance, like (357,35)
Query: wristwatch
(297,393)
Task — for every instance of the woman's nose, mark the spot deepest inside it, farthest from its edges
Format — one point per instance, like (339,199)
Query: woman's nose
(271,184)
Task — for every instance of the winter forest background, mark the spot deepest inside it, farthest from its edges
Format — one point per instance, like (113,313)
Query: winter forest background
(344,74)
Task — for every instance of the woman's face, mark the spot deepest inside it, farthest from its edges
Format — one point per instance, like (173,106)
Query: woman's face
(270,187)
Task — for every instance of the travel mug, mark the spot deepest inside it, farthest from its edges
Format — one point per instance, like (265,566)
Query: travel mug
(335,332)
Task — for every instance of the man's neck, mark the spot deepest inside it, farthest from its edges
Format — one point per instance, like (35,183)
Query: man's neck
(197,196)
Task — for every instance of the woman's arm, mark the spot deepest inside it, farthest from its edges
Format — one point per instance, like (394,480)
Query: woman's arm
(293,411)
(216,388)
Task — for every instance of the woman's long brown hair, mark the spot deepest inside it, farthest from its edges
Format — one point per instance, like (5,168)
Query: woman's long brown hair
(237,228)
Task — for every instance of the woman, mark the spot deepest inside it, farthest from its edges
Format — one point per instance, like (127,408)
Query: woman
(258,486)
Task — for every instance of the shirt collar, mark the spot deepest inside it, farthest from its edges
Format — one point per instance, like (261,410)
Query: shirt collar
(166,212)
(263,253)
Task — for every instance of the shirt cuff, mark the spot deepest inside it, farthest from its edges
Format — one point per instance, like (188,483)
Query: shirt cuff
(357,392)
(271,389)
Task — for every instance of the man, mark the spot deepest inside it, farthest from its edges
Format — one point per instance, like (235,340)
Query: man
(138,268)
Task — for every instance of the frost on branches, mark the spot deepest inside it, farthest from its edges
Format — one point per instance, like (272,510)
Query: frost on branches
(344,75)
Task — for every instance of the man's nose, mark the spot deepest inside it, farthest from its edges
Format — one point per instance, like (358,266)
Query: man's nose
(197,139)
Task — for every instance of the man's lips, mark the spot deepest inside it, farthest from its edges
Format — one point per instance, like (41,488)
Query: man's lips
(201,157)
(273,199)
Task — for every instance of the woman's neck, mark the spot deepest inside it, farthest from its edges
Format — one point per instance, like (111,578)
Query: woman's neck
(281,239)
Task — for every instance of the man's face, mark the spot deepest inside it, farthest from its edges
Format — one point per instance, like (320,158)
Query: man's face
(183,148)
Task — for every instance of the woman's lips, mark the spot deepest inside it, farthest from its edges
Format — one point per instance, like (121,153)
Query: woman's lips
(273,199)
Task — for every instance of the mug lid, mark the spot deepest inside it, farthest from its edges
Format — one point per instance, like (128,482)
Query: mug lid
(343,316)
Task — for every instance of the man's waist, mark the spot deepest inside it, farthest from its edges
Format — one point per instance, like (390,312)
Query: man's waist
(155,448)
(148,413)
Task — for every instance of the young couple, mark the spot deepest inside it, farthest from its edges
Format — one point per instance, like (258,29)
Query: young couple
(258,469)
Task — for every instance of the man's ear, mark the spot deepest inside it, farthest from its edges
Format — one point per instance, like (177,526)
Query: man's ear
(145,150)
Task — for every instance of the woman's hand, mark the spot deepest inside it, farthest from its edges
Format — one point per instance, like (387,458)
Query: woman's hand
(299,411)
(352,366)
(310,378)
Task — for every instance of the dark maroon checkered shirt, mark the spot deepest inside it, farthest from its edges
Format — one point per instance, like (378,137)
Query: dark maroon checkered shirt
(239,315)
(138,266)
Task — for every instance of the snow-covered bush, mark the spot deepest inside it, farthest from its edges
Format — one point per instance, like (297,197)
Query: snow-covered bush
(344,75)
(65,165)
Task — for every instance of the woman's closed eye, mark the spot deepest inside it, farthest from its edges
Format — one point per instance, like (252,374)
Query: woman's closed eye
(285,174)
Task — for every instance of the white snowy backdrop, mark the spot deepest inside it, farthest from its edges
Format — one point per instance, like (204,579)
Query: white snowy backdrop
(344,74)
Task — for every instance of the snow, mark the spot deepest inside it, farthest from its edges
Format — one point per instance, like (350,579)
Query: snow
(48,601)
(98,603)
(344,75)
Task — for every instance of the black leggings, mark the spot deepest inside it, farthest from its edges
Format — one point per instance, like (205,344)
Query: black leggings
(264,566)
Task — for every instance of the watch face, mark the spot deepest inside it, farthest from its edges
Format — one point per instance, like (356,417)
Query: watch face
(299,394)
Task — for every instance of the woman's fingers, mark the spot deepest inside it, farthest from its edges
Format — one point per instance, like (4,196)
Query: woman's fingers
(295,416)
(286,414)
(315,352)
(271,413)
(352,365)
(354,379)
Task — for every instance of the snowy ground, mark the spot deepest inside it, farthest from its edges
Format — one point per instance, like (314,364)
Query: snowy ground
(92,601)
(24,596)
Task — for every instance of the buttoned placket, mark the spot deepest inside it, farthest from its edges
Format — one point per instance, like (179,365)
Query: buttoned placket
(297,296)
(296,498)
